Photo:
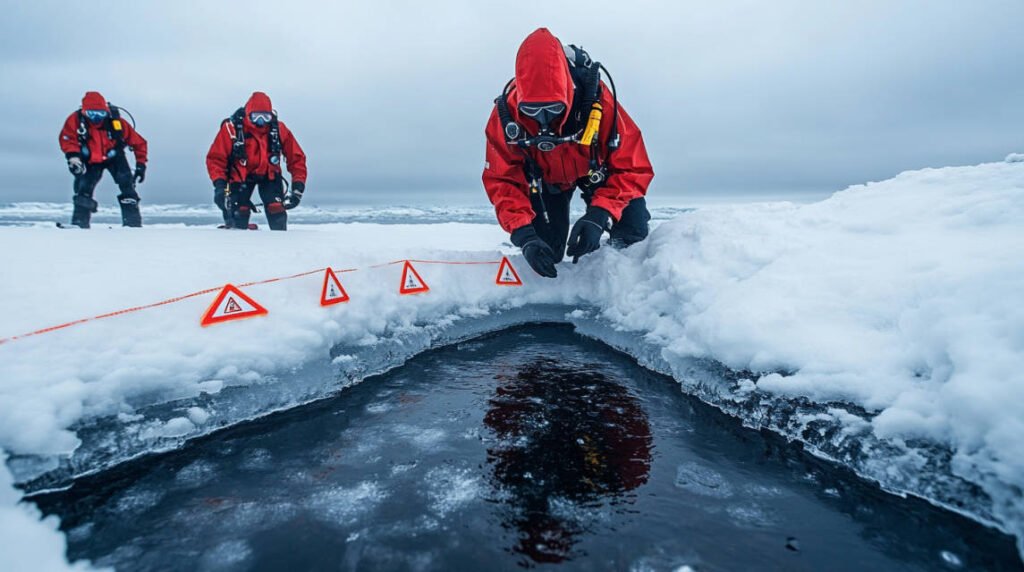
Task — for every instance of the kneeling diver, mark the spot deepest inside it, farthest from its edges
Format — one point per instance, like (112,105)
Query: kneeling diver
(555,127)
(93,140)
(246,155)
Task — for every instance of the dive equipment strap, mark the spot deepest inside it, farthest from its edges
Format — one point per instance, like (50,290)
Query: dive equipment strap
(113,125)
(235,126)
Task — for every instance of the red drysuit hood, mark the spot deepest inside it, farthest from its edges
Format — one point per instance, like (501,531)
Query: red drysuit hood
(258,101)
(94,101)
(542,72)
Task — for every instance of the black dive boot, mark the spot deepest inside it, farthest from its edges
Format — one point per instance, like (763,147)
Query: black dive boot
(277,217)
(241,217)
(84,207)
(130,214)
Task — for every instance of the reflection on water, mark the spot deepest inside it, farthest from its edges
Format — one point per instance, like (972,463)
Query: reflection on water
(565,437)
(530,448)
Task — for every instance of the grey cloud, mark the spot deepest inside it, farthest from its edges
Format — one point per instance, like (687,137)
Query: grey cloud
(389,99)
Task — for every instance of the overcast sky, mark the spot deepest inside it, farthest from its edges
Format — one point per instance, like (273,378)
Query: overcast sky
(389,99)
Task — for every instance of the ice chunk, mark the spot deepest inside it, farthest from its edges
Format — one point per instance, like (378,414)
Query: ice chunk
(226,555)
(198,415)
(450,488)
(343,506)
(702,480)
(196,474)
(950,558)
(137,500)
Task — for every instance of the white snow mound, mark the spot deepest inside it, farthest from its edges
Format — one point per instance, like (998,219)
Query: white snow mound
(28,543)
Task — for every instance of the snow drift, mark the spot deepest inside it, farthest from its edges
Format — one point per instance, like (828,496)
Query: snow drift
(881,327)
(28,542)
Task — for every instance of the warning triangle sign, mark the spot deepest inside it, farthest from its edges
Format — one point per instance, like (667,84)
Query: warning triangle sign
(412,283)
(507,275)
(231,304)
(333,293)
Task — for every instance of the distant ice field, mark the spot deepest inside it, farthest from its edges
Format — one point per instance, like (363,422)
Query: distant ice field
(28,214)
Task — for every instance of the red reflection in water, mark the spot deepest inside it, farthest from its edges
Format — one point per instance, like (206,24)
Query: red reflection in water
(568,441)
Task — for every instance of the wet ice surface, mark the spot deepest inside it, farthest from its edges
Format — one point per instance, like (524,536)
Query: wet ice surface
(533,447)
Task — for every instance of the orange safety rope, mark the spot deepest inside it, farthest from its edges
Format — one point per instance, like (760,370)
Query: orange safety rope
(209,290)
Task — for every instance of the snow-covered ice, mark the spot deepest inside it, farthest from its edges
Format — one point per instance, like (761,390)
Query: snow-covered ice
(882,327)
(29,543)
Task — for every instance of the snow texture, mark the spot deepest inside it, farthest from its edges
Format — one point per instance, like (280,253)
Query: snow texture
(882,327)
(28,544)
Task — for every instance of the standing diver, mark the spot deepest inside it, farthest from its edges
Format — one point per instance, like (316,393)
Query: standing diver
(246,154)
(94,139)
(555,127)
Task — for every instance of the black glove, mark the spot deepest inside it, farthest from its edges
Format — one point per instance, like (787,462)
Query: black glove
(76,166)
(295,195)
(219,193)
(140,172)
(538,254)
(586,233)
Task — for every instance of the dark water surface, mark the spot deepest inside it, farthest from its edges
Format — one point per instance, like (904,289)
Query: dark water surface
(530,448)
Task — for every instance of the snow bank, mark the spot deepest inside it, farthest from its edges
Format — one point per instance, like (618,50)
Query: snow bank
(882,327)
(899,300)
(29,544)
(903,297)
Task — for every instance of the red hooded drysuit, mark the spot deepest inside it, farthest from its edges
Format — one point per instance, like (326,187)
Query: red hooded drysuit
(542,76)
(99,144)
(257,163)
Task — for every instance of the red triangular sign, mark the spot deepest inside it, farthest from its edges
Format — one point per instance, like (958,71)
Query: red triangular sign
(333,293)
(412,283)
(231,304)
(507,275)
